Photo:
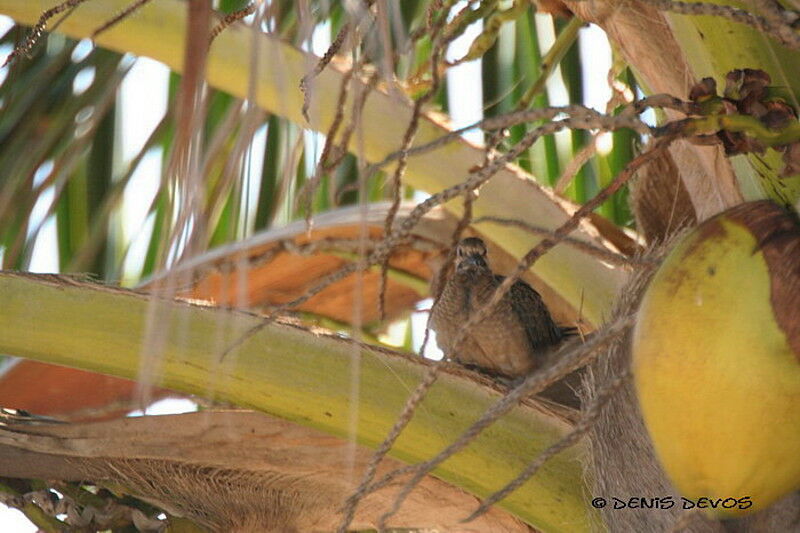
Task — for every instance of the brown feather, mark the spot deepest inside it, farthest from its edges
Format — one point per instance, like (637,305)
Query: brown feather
(513,339)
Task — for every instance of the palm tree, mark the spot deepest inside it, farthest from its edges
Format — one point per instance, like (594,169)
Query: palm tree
(240,269)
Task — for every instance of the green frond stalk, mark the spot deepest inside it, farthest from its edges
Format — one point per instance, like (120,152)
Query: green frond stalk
(299,376)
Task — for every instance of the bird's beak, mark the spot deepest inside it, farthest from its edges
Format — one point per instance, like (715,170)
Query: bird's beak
(469,262)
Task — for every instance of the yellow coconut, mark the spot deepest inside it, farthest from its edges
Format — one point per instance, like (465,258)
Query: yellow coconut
(716,360)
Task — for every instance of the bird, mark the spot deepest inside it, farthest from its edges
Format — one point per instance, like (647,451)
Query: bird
(517,334)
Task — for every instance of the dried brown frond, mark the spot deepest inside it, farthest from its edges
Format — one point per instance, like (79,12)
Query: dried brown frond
(333,49)
(230,18)
(588,418)
(119,17)
(419,393)
(306,193)
(25,47)
(595,251)
(566,360)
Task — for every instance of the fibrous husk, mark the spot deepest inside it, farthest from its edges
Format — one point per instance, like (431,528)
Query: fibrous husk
(233,471)
(659,200)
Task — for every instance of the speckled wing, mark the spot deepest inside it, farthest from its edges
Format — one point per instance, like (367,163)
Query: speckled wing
(532,312)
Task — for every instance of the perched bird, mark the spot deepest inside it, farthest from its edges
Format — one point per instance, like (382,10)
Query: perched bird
(513,339)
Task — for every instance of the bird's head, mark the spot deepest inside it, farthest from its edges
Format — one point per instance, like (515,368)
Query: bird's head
(470,255)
